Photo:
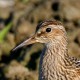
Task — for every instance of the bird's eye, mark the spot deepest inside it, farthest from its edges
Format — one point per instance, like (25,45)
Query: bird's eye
(48,30)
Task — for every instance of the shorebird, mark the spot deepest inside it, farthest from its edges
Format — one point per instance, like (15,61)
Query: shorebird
(55,63)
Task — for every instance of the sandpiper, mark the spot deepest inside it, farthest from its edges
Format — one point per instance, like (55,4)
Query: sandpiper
(55,63)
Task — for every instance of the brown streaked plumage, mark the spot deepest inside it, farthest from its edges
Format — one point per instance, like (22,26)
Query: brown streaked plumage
(48,22)
(55,64)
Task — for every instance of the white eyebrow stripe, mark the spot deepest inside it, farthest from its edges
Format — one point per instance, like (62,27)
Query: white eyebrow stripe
(58,26)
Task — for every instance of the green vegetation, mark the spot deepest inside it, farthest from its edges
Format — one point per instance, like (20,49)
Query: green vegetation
(5,31)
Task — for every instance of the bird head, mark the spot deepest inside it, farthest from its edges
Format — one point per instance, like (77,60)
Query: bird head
(46,32)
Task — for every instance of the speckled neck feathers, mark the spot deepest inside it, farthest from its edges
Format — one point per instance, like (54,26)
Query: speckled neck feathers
(53,61)
(55,64)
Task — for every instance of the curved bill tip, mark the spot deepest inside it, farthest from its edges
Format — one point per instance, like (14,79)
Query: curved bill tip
(19,46)
(26,42)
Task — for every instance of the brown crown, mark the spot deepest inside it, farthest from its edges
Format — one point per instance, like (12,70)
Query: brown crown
(47,22)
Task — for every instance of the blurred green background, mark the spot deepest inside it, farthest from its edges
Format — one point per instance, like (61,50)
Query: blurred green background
(18,21)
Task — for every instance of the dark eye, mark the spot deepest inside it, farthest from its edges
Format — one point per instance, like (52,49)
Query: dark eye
(48,30)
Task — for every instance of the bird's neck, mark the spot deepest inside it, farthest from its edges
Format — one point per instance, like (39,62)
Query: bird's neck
(53,60)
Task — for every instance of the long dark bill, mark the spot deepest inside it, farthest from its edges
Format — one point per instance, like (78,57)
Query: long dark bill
(29,41)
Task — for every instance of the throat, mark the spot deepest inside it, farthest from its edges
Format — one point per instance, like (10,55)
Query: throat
(58,53)
(54,60)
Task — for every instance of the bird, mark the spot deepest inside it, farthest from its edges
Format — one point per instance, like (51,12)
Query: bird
(55,62)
